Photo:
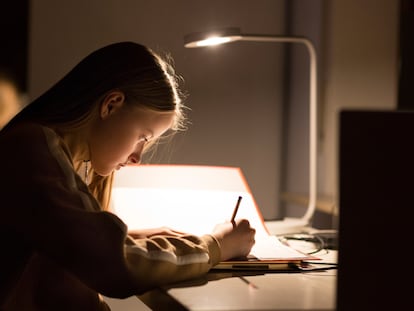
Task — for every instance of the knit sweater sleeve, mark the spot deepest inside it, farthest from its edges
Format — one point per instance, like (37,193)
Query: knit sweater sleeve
(166,259)
(53,214)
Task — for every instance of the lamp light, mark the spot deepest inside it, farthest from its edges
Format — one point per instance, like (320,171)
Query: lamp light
(226,35)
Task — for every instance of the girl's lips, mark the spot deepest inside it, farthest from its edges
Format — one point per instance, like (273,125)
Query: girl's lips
(120,165)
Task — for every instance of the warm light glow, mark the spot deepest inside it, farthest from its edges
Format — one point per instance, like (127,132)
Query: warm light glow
(190,211)
(213,41)
(179,196)
(191,199)
(220,36)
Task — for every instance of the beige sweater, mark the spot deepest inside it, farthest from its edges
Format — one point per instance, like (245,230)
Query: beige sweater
(59,251)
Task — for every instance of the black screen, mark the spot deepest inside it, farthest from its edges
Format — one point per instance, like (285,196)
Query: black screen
(376,203)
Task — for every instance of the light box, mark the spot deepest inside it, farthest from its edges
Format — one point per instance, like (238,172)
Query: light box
(187,198)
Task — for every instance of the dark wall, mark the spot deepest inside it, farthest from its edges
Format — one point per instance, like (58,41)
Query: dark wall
(14,46)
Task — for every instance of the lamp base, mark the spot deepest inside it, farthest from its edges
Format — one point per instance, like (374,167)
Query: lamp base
(286,226)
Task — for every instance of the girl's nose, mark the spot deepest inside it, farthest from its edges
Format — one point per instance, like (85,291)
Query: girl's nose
(135,157)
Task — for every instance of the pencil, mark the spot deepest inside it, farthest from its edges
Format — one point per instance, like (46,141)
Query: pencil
(236,209)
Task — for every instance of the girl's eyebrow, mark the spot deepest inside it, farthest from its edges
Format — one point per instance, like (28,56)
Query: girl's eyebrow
(150,135)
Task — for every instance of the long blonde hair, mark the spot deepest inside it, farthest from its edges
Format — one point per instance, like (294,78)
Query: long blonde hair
(143,76)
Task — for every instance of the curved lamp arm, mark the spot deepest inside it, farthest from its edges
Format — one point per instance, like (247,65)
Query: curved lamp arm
(226,35)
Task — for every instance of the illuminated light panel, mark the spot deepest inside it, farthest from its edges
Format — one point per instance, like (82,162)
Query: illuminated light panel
(191,199)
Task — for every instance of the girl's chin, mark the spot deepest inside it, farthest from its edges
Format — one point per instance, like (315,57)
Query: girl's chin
(106,172)
(119,166)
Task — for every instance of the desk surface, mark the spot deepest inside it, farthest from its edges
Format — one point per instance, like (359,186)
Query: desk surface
(272,291)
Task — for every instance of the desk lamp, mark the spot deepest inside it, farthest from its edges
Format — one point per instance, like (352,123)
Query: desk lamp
(226,35)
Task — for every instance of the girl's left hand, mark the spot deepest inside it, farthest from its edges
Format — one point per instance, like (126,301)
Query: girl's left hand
(147,233)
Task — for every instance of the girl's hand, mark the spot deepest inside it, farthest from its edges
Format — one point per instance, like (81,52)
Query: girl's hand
(147,233)
(236,239)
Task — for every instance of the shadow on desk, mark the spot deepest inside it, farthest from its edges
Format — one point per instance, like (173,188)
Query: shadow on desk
(163,301)
(161,298)
(216,275)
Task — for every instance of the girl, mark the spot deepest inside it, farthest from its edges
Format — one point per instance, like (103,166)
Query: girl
(61,247)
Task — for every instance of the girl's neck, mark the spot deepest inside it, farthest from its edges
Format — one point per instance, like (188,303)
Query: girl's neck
(77,142)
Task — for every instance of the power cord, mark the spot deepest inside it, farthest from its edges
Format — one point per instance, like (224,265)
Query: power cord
(321,239)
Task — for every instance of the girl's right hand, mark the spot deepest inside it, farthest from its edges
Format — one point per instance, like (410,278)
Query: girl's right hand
(235,239)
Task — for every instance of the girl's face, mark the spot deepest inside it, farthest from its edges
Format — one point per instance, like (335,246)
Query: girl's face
(120,134)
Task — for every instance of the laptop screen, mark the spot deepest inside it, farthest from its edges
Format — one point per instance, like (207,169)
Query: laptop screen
(376,201)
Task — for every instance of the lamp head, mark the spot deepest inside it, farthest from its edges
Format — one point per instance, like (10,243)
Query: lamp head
(214,37)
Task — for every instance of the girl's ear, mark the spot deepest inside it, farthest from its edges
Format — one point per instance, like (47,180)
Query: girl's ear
(111,102)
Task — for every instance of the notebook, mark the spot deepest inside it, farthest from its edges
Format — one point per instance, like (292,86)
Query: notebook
(376,199)
(193,199)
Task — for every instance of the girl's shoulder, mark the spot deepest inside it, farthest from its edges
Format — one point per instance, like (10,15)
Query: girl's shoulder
(23,129)
(31,139)
(25,132)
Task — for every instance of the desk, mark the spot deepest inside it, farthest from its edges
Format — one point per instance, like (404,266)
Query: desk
(272,291)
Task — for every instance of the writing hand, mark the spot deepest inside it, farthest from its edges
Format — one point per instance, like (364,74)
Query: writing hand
(236,238)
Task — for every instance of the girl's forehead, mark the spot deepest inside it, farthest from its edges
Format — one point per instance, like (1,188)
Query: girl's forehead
(153,121)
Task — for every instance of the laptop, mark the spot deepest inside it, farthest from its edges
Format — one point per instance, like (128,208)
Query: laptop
(376,199)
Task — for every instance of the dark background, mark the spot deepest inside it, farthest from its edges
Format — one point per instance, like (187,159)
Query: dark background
(14,32)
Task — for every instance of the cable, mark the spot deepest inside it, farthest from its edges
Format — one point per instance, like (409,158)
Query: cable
(314,239)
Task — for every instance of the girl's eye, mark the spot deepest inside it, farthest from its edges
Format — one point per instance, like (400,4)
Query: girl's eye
(143,139)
